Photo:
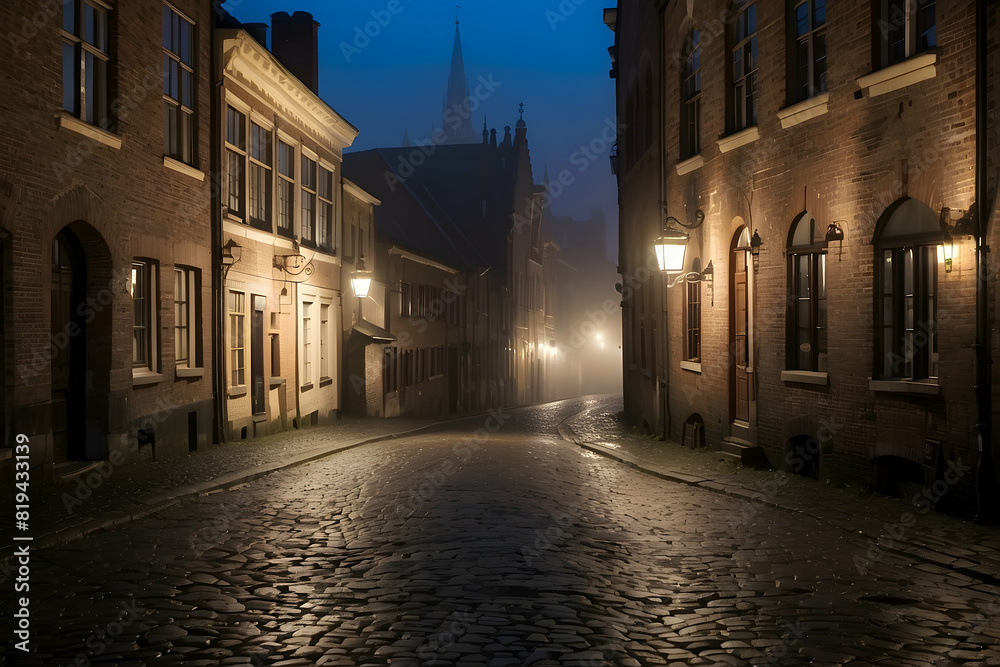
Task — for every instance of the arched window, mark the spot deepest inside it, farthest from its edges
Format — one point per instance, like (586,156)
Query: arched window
(806,328)
(908,247)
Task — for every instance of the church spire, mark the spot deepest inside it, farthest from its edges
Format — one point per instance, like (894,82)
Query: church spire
(457,113)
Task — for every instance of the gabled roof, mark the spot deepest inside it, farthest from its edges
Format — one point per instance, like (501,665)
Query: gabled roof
(438,209)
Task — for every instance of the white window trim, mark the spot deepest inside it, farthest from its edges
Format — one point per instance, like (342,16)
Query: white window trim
(690,164)
(150,373)
(808,109)
(93,132)
(234,391)
(741,138)
(191,368)
(806,377)
(181,168)
(693,366)
(906,73)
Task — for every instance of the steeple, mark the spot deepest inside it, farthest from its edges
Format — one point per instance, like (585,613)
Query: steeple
(406,137)
(456,113)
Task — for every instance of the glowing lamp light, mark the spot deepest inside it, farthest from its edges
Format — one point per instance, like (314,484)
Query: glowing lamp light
(669,250)
(361,279)
(946,253)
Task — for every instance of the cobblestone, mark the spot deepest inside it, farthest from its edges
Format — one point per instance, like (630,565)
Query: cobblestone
(521,550)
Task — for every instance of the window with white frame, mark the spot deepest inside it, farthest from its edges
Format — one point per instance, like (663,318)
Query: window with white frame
(308,196)
(237,338)
(144,330)
(903,28)
(909,244)
(286,188)
(307,342)
(808,60)
(691,97)
(86,60)
(807,314)
(324,341)
(744,65)
(260,177)
(324,211)
(692,322)
(236,154)
(178,86)
(186,321)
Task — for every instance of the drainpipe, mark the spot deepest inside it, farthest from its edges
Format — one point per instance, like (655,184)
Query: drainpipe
(661,149)
(986,482)
(218,295)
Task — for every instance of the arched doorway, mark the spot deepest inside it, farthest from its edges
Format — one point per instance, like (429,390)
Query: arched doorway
(80,316)
(739,335)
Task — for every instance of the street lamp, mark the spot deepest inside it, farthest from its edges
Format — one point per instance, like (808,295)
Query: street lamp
(361,278)
(669,250)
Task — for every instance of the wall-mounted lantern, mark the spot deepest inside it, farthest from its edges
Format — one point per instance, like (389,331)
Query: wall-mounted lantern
(361,279)
(232,252)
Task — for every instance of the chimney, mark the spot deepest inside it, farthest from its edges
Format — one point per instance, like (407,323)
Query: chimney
(258,31)
(295,42)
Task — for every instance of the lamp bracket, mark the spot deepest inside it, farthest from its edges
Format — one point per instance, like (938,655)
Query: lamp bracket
(699,217)
(294,265)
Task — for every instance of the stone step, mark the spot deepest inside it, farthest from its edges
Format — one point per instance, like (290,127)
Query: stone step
(748,454)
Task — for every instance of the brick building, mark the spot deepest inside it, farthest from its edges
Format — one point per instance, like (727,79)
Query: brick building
(823,163)
(104,213)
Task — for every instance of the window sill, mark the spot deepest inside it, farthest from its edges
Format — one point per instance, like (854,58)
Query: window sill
(143,376)
(90,131)
(741,138)
(693,366)
(306,387)
(325,381)
(277,382)
(918,387)
(181,168)
(805,110)
(689,165)
(806,377)
(906,73)
(236,392)
(259,417)
(184,372)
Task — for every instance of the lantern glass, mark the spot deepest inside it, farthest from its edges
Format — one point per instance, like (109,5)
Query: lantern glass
(669,250)
(361,281)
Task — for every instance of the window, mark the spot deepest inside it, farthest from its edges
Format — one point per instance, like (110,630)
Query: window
(236,144)
(692,322)
(691,96)
(308,201)
(286,189)
(178,86)
(186,321)
(324,340)
(903,28)
(909,248)
(808,64)
(306,343)
(260,177)
(744,52)
(143,291)
(806,325)
(237,347)
(86,60)
(324,211)
(405,296)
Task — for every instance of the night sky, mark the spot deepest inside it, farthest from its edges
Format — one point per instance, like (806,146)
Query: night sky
(552,59)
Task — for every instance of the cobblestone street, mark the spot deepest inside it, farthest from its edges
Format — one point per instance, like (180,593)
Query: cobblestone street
(492,541)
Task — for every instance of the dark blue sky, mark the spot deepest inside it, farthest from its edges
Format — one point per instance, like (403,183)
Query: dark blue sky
(553,60)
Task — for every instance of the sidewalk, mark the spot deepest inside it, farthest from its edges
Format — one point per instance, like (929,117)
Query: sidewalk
(117,495)
(892,525)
